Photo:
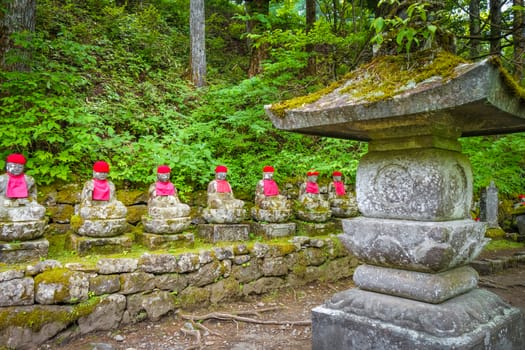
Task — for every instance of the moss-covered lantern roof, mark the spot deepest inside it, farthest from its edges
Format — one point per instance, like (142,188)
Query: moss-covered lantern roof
(390,93)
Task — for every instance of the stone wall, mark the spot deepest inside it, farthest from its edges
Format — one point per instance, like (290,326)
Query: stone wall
(49,299)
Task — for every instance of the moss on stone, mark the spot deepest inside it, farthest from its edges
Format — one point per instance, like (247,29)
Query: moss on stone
(39,316)
(59,276)
(193,296)
(76,222)
(382,79)
(511,83)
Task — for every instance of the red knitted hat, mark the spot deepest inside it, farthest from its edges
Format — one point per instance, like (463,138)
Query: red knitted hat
(268,169)
(312,173)
(163,169)
(101,167)
(337,173)
(221,169)
(16,158)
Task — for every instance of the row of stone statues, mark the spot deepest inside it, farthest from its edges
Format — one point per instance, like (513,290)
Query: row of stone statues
(102,215)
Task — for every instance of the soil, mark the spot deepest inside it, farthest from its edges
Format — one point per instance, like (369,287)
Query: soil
(284,307)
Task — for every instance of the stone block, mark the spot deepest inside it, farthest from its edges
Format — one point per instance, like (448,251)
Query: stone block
(417,184)
(104,284)
(158,263)
(116,265)
(100,245)
(224,232)
(158,241)
(357,319)
(414,245)
(12,253)
(21,230)
(165,226)
(61,286)
(270,231)
(15,292)
(103,228)
(105,316)
(315,228)
(427,287)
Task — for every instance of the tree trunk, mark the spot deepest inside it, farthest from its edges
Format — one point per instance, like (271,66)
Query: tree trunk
(475,30)
(258,53)
(519,41)
(495,27)
(16,16)
(197,43)
(310,20)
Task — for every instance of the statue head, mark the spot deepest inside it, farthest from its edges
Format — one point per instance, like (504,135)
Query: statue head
(163,173)
(15,164)
(312,176)
(100,170)
(268,172)
(220,172)
(337,175)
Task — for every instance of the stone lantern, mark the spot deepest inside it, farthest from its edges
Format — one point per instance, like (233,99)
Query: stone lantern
(414,189)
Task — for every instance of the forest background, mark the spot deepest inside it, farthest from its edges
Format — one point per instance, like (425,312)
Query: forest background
(84,80)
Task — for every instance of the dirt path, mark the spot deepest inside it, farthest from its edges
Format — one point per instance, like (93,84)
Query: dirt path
(286,306)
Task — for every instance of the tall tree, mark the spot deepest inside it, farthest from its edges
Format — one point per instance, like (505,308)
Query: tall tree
(519,40)
(198,46)
(495,26)
(474,28)
(310,20)
(15,16)
(254,25)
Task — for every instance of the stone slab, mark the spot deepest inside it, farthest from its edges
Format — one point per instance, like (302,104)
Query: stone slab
(154,241)
(414,245)
(316,228)
(12,253)
(270,231)
(165,226)
(103,227)
(21,230)
(357,319)
(224,215)
(100,245)
(426,287)
(224,232)
(477,101)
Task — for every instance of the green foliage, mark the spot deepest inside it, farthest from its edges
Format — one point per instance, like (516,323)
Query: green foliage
(412,31)
(110,82)
(498,158)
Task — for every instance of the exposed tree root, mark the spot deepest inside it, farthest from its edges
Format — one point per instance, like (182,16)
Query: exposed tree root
(234,318)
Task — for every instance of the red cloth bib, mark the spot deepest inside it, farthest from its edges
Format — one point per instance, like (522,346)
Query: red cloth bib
(312,187)
(164,188)
(223,186)
(100,190)
(16,186)
(270,188)
(339,188)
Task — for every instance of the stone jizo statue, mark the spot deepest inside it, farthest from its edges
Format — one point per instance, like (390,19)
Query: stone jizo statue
(98,199)
(98,203)
(223,207)
(342,204)
(270,206)
(311,204)
(220,194)
(22,219)
(18,193)
(163,200)
(166,213)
